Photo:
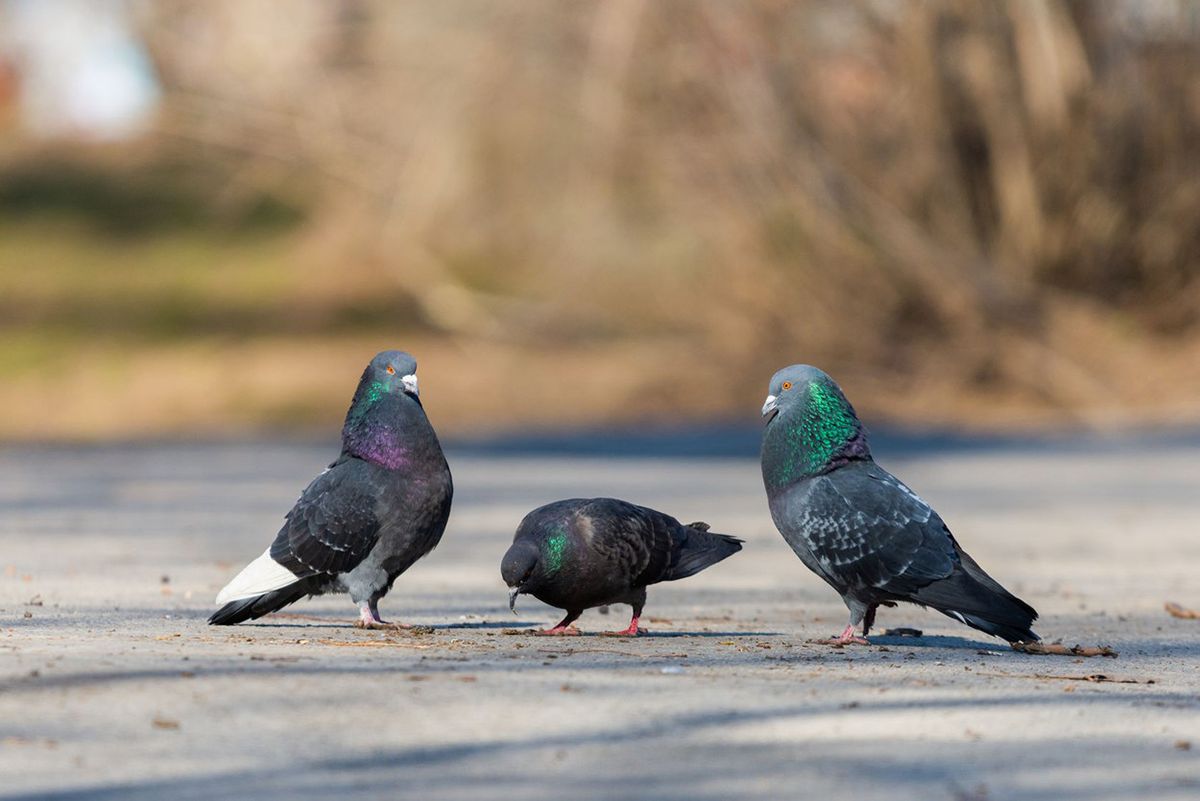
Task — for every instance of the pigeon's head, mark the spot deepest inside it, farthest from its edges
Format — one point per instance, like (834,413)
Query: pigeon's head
(391,371)
(811,427)
(803,387)
(521,569)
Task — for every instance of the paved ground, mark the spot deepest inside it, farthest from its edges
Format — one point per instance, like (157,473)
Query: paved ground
(111,686)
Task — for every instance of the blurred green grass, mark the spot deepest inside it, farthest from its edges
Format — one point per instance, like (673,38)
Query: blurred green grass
(145,258)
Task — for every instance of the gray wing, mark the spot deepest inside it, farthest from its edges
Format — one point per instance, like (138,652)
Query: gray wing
(864,528)
(334,524)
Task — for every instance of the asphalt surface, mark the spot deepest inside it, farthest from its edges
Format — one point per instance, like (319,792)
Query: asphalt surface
(112,686)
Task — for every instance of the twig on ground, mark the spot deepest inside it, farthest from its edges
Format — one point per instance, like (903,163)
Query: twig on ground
(1095,678)
(1175,610)
(1040,649)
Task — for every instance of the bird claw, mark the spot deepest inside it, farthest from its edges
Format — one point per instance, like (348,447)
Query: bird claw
(629,632)
(369,619)
(838,642)
(381,624)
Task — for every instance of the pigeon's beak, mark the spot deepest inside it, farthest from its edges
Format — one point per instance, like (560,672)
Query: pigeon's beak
(513,592)
(410,384)
(769,406)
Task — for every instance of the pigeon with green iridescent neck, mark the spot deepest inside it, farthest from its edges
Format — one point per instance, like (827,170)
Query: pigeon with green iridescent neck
(857,526)
(580,553)
(381,506)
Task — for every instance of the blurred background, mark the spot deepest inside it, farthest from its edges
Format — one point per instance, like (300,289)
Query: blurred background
(974,215)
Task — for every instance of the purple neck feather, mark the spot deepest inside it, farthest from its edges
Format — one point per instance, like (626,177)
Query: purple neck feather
(388,430)
(379,443)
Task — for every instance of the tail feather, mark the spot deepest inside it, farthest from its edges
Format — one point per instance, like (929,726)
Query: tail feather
(256,579)
(971,596)
(252,608)
(701,549)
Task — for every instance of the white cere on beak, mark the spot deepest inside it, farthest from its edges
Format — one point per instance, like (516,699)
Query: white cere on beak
(769,406)
(410,384)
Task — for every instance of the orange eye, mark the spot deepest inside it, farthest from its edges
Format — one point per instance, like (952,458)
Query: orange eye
(391,370)
(787,384)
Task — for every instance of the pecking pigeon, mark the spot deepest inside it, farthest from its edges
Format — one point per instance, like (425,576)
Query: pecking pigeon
(857,526)
(580,553)
(367,518)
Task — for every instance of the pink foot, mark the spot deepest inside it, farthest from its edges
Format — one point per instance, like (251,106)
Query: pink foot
(369,619)
(847,638)
(558,631)
(632,631)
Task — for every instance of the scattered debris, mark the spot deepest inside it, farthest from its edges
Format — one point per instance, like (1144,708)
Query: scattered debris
(1175,610)
(612,651)
(28,614)
(1094,678)
(374,644)
(1040,649)
(35,601)
(35,741)
(1184,745)
(571,631)
(160,722)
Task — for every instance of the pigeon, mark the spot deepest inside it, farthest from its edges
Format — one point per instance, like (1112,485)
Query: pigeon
(377,509)
(859,527)
(585,552)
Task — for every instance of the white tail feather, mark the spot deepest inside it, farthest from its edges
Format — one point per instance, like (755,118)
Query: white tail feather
(262,575)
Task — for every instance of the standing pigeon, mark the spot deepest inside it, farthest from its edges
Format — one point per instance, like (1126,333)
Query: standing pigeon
(857,526)
(367,518)
(580,553)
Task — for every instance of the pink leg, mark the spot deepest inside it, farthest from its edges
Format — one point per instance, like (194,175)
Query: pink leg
(847,638)
(632,631)
(369,619)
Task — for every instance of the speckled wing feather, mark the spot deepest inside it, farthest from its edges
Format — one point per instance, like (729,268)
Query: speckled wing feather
(333,525)
(864,528)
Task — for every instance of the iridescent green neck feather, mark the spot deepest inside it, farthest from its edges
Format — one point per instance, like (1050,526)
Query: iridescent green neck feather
(368,398)
(812,439)
(554,550)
